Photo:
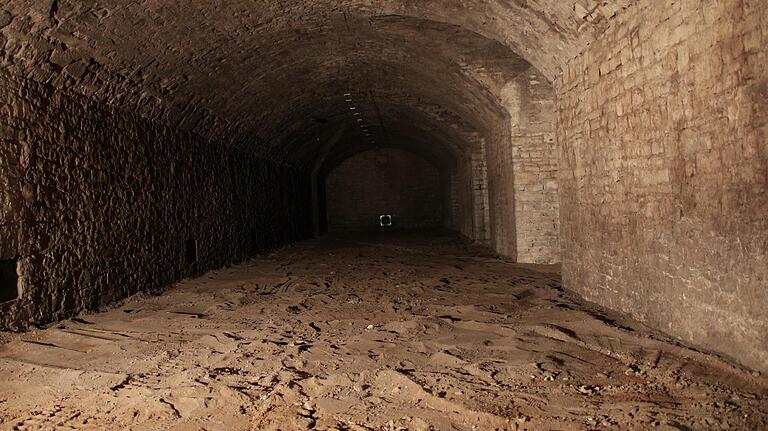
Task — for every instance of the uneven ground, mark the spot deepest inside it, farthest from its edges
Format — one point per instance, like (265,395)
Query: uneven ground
(342,334)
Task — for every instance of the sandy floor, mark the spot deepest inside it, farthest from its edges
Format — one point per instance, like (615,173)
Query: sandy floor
(341,334)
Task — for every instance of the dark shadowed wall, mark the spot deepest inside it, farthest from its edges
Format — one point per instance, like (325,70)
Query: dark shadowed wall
(97,203)
(384,181)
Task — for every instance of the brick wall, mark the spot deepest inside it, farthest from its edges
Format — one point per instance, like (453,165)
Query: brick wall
(461,199)
(522,174)
(664,158)
(98,204)
(384,181)
(480,206)
(469,195)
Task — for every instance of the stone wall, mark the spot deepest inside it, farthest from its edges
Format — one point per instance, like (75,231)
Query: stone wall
(663,128)
(384,181)
(480,207)
(97,204)
(461,199)
(522,174)
(469,195)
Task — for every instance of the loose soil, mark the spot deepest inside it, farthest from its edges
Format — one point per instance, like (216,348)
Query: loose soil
(368,333)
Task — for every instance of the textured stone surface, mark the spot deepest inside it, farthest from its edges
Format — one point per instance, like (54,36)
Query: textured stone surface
(431,72)
(223,79)
(174,48)
(239,97)
(98,204)
(661,129)
(522,166)
(384,181)
(463,197)
(276,79)
(664,159)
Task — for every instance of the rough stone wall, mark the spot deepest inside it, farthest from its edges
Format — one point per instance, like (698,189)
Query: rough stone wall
(480,206)
(663,128)
(141,56)
(384,181)
(468,193)
(461,199)
(501,195)
(98,203)
(522,174)
(535,166)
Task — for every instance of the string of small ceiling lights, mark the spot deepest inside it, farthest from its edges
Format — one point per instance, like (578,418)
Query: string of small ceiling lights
(359,117)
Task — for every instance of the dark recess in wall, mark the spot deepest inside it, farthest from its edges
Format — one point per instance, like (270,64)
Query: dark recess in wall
(254,238)
(9,289)
(191,252)
(383,182)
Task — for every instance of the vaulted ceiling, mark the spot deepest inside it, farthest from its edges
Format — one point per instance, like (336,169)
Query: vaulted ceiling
(277,77)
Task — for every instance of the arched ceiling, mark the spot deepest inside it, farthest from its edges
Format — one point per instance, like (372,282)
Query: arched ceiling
(267,75)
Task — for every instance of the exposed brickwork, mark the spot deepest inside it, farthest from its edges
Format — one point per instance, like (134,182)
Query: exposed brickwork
(141,57)
(384,181)
(661,127)
(480,207)
(664,161)
(522,165)
(98,203)
(469,205)
(136,65)
(462,197)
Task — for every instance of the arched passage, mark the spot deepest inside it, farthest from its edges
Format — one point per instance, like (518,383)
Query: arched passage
(143,142)
(384,181)
(287,91)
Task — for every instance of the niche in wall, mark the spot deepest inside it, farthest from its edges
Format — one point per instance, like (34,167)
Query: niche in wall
(191,252)
(9,280)
(254,241)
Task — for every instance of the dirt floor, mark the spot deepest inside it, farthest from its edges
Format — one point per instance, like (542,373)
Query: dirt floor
(394,333)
